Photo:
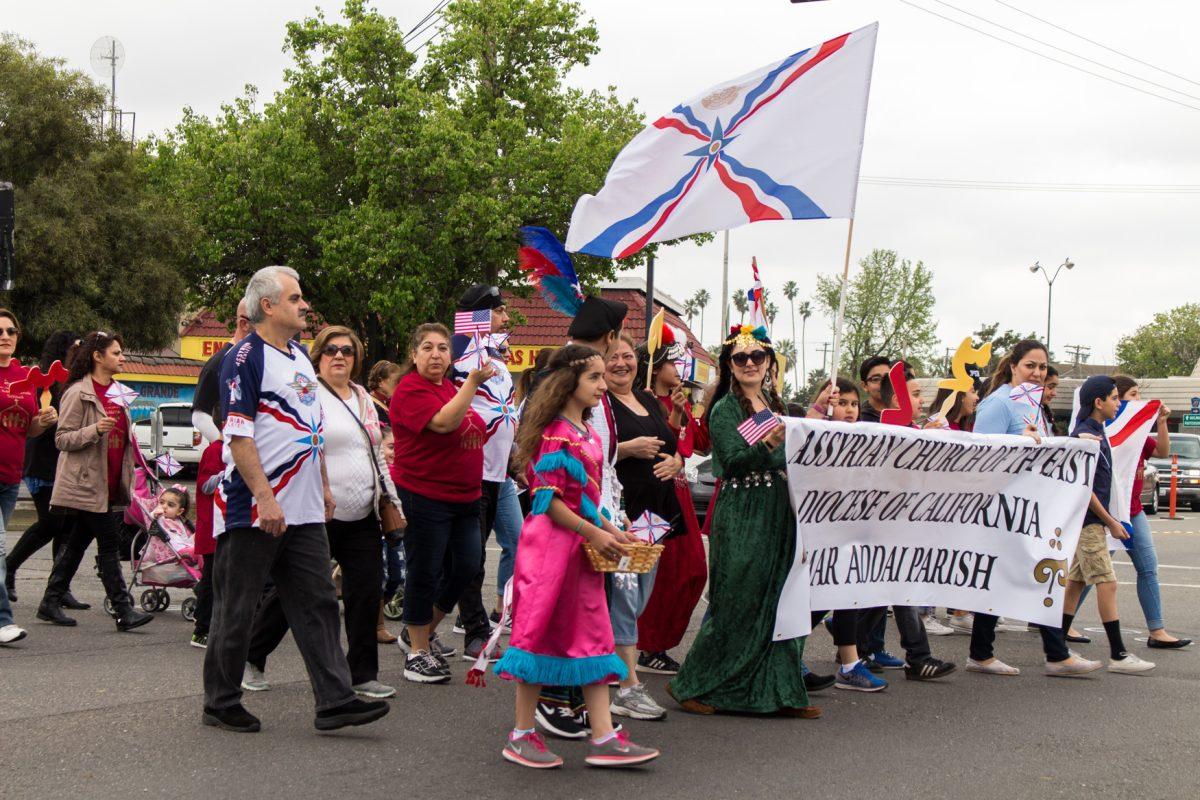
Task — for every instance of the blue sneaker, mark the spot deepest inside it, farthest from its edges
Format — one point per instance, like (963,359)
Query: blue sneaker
(886,660)
(859,679)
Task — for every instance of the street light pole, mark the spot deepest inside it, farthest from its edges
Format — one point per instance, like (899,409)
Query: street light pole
(1037,267)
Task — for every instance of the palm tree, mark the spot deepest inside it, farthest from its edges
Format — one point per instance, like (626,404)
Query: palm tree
(771,311)
(791,290)
(742,304)
(805,313)
(689,311)
(700,300)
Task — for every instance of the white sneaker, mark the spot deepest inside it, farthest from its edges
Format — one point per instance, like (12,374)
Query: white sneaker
(935,628)
(1130,664)
(12,633)
(1074,667)
(961,623)
(995,667)
(1010,625)
(254,680)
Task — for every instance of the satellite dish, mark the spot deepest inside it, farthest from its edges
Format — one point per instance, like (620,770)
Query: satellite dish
(108,56)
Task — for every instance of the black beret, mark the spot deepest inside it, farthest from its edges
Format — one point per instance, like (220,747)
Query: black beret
(597,317)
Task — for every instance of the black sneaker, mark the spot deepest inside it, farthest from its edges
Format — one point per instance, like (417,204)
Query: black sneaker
(235,718)
(356,712)
(561,721)
(494,618)
(422,667)
(439,648)
(928,670)
(658,663)
(817,683)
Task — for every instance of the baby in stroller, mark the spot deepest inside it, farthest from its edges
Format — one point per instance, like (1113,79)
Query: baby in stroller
(167,559)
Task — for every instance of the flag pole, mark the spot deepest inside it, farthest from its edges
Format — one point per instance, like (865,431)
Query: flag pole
(725,292)
(841,313)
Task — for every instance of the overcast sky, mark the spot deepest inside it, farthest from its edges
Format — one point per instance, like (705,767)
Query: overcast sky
(946,103)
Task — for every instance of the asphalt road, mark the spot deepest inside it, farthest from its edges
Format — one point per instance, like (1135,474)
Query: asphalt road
(88,712)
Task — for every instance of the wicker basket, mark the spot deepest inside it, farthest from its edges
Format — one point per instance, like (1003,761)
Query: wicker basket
(641,559)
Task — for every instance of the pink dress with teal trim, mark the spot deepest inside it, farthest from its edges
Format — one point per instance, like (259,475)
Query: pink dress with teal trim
(561,633)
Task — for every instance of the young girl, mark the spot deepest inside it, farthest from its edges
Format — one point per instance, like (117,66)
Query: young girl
(561,634)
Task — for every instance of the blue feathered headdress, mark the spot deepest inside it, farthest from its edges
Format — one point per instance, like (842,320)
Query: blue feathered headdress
(550,269)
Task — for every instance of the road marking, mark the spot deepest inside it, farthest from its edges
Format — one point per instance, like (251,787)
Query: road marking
(1175,585)
(1160,566)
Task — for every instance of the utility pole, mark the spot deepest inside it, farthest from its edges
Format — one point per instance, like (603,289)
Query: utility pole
(1079,353)
(825,348)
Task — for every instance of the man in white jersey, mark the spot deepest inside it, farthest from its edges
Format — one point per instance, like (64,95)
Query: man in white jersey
(270,512)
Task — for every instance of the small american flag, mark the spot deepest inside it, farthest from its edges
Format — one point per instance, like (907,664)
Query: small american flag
(469,322)
(758,426)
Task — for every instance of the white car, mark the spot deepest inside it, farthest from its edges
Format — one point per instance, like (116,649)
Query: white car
(169,428)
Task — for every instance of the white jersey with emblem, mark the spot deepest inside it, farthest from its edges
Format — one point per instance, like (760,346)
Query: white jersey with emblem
(270,396)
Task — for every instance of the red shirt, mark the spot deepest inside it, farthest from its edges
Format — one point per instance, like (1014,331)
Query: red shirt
(211,463)
(16,412)
(1135,505)
(693,438)
(118,438)
(440,466)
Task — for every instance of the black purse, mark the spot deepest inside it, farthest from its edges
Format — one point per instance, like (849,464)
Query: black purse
(391,520)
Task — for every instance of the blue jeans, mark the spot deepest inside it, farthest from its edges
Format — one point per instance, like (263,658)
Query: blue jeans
(1140,548)
(508,529)
(8,501)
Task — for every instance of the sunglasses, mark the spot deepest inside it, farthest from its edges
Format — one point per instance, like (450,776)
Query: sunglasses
(9,331)
(332,350)
(742,359)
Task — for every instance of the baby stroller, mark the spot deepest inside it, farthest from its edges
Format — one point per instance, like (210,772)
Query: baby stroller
(161,554)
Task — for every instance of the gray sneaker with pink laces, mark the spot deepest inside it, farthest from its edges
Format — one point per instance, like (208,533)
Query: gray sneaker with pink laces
(619,752)
(529,750)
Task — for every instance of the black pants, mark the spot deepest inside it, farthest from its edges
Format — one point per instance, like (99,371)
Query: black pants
(356,547)
(270,626)
(204,595)
(52,529)
(843,625)
(983,637)
(89,525)
(442,553)
(298,562)
(470,606)
(913,638)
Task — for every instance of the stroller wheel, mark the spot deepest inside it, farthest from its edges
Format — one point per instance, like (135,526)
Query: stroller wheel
(164,600)
(188,609)
(108,608)
(394,609)
(149,601)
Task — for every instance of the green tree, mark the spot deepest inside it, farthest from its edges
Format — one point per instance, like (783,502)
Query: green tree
(817,379)
(742,304)
(391,187)
(1167,345)
(701,300)
(889,311)
(1001,343)
(96,245)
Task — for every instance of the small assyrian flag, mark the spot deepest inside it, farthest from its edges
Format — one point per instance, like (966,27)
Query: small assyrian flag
(758,314)
(469,322)
(498,341)
(1028,396)
(167,464)
(474,356)
(121,394)
(650,527)
(758,426)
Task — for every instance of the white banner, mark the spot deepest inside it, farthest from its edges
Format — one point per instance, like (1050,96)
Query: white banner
(896,516)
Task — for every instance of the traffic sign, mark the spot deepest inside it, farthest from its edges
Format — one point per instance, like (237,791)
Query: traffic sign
(1191,420)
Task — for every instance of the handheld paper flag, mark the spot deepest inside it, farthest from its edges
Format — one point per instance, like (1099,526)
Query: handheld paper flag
(650,527)
(121,394)
(469,322)
(167,464)
(758,426)
(475,356)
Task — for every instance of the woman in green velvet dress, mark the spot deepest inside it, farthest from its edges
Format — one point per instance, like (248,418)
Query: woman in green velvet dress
(734,664)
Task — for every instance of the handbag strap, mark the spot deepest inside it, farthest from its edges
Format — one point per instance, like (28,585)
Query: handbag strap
(365,432)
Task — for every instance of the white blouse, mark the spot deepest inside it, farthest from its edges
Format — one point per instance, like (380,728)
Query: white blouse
(352,479)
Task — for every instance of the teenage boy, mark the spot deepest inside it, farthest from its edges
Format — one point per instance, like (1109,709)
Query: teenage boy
(919,664)
(873,374)
(1099,402)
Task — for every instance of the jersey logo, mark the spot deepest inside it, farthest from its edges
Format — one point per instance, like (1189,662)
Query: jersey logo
(235,389)
(305,388)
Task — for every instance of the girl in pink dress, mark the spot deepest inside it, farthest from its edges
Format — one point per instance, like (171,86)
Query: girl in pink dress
(561,634)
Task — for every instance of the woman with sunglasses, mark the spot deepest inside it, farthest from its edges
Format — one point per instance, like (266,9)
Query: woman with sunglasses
(735,664)
(358,479)
(94,474)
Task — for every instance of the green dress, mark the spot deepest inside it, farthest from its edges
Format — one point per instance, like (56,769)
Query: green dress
(734,665)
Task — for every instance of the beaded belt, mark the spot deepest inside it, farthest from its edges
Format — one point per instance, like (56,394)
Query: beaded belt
(755,479)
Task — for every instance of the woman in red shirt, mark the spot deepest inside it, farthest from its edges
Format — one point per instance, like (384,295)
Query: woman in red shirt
(438,470)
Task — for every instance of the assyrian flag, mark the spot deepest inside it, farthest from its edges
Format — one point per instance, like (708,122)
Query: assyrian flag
(650,528)
(758,426)
(471,322)
(758,316)
(475,355)
(1127,433)
(167,464)
(121,394)
(782,142)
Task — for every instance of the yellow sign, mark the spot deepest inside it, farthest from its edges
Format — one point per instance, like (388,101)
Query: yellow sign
(202,348)
(521,357)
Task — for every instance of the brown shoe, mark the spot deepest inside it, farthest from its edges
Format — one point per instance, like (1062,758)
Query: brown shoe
(804,712)
(692,706)
(381,633)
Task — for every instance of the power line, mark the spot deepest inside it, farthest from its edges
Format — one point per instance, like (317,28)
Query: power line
(1097,44)
(1051,58)
(426,27)
(1100,64)
(423,44)
(1032,186)
(425,18)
